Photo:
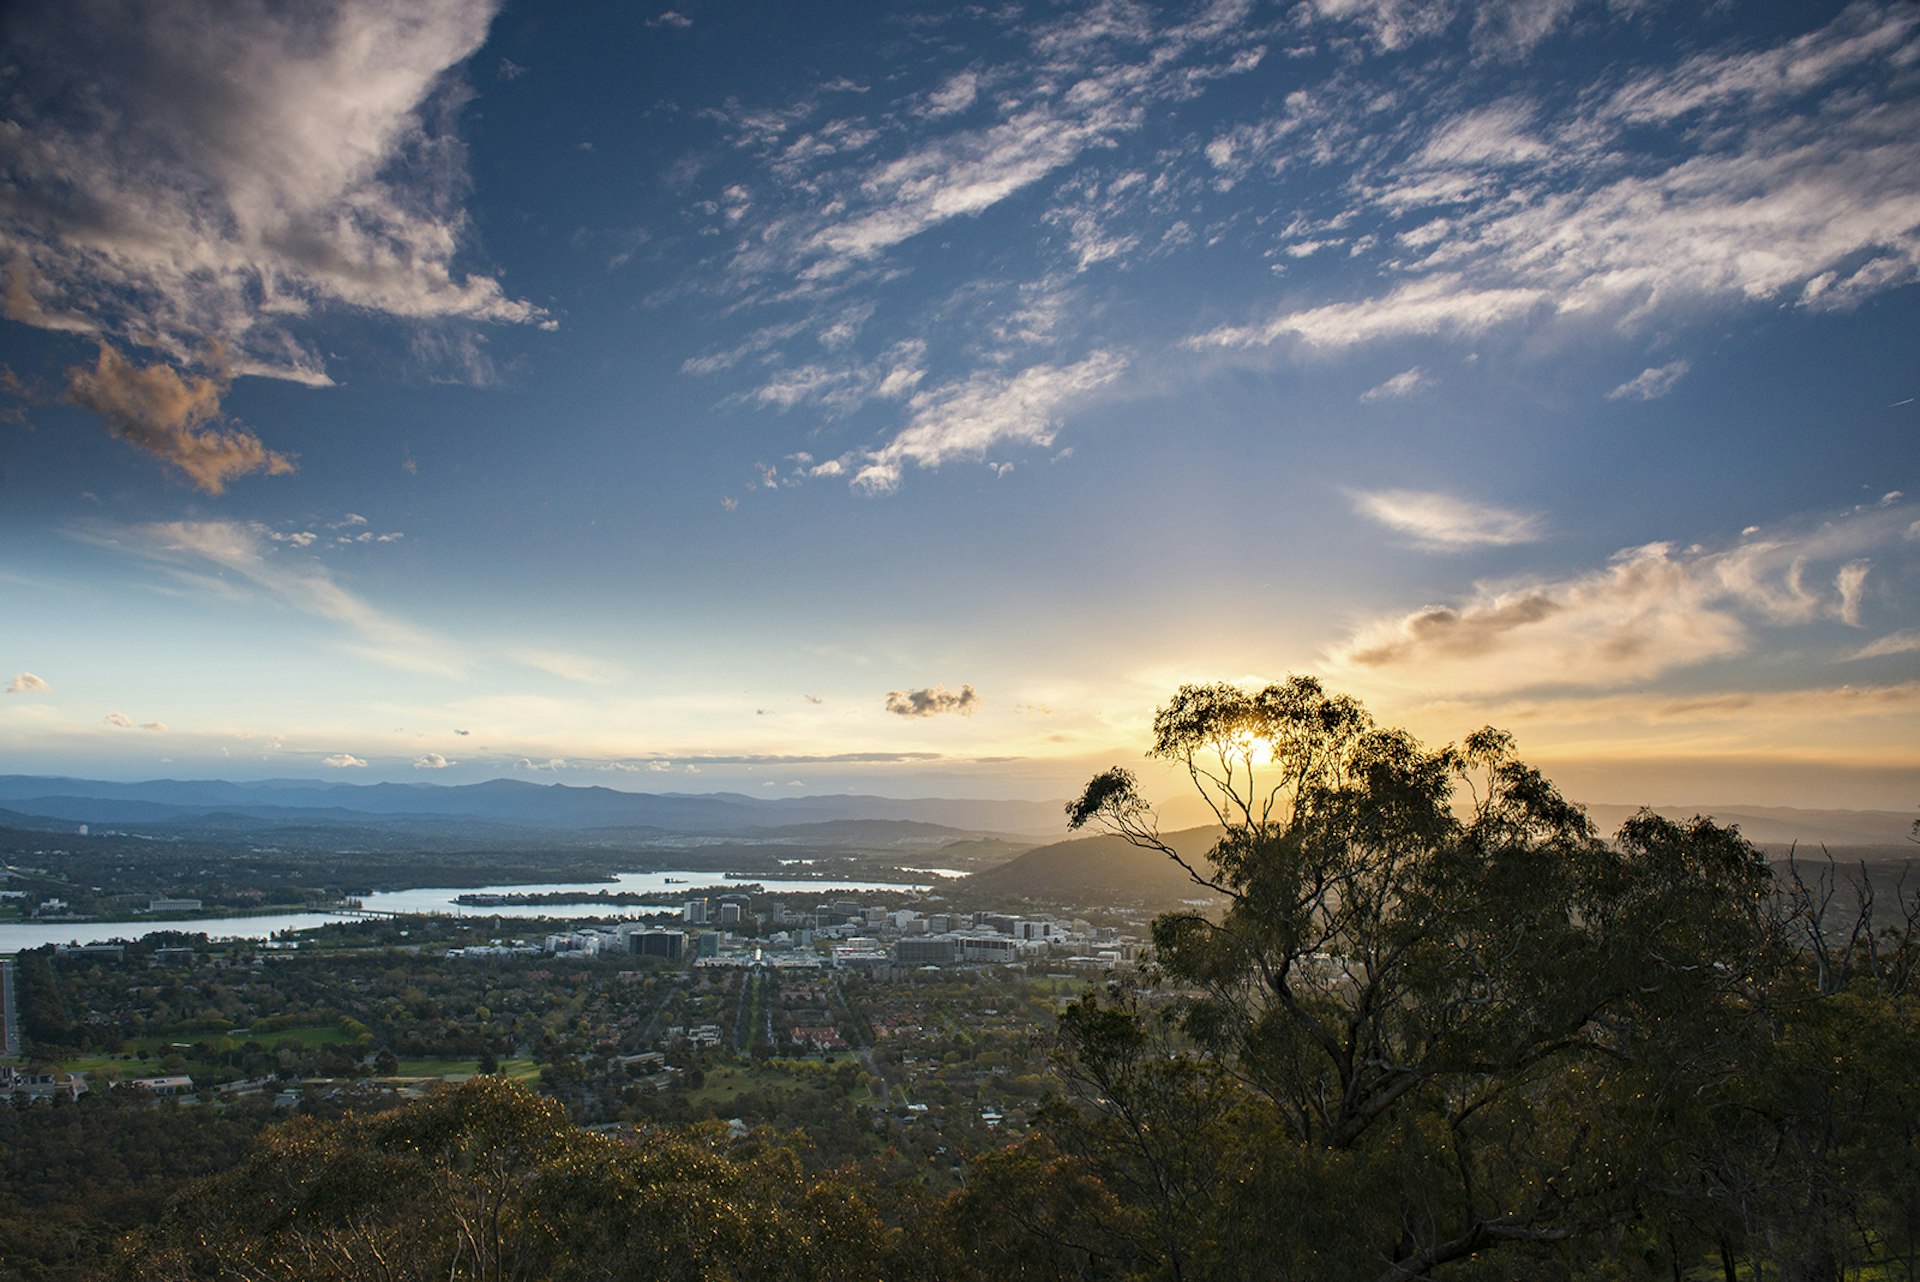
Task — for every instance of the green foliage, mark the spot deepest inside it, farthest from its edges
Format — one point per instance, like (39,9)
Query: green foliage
(74,1176)
(1443,1024)
(487,1181)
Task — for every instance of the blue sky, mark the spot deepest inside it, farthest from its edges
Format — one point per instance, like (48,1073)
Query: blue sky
(798,398)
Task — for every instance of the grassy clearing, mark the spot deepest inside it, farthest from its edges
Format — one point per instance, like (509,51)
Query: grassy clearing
(727,1082)
(181,1043)
(519,1070)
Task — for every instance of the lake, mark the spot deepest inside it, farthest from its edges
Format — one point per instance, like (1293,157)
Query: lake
(667,888)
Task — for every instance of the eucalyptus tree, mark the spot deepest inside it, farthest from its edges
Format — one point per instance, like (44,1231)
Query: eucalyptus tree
(1430,1021)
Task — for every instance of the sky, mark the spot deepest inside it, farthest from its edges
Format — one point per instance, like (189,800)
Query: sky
(796,398)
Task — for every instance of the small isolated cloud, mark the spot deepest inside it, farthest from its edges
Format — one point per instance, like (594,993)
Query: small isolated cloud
(814,698)
(933,701)
(1851,584)
(955,95)
(157,726)
(463,733)
(430,761)
(1445,523)
(27,683)
(1907,642)
(678,21)
(551,763)
(120,719)
(172,418)
(344,761)
(1403,384)
(1651,384)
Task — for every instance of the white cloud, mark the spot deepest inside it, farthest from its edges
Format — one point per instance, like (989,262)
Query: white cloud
(1088,79)
(1651,610)
(1392,24)
(210,174)
(120,719)
(430,761)
(1904,642)
(1787,184)
(27,683)
(1443,304)
(1405,383)
(966,419)
(1851,584)
(1766,77)
(343,761)
(966,174)
(1651,384)
(1445,523)
(847,385)
(955,94)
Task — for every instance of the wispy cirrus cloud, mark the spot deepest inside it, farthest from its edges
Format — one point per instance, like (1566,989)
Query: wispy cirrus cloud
(843,200)
(195,550)
(1088,79)
(1906,641)
(969,419)
(1403,384)
(1652,383)
(1443,522)
(571,667)
(1778,175)
(1446,304)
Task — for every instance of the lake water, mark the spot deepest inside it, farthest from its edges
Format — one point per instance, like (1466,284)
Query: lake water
(665,890)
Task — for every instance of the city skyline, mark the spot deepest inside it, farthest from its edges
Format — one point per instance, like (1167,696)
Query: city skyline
(907,401)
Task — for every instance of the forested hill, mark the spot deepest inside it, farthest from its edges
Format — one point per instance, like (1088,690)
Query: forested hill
(1105,870)
(1102,870)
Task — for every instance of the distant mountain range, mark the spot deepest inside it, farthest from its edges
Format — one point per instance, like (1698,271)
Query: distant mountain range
(498,801)
(504,806)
